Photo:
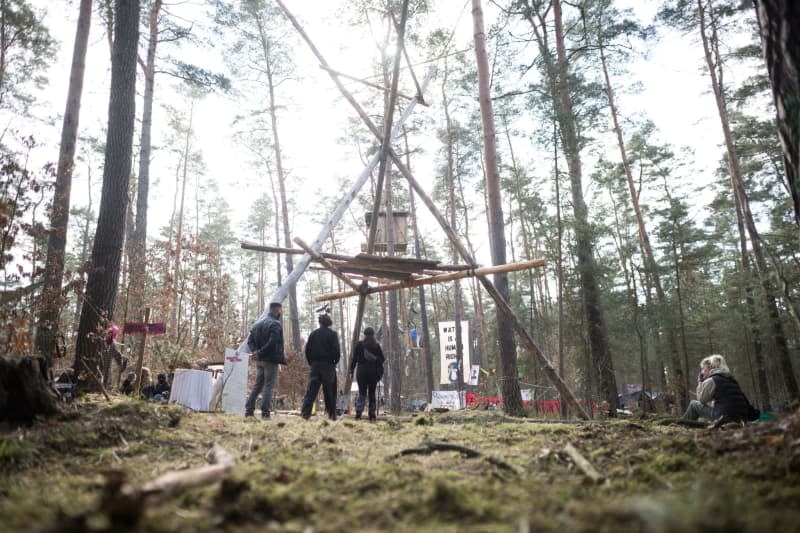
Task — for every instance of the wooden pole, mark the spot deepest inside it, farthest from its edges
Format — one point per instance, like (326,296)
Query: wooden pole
(496,296)
(367,83)
(502,304)
(282,291)
(333,269)
(441,278)
(140,355)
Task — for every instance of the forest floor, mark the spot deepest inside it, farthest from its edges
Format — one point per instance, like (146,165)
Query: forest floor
(502,473)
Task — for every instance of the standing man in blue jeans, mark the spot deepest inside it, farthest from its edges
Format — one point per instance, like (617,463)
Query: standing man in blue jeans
(266,347)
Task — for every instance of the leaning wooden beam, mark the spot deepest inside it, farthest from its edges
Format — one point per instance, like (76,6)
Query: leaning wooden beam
(333,269)
(440,278)
(408,61)
(367,83)
(344,203)
(544,363)
(501,303)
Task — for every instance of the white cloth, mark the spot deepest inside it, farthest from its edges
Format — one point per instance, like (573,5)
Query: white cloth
(193,389)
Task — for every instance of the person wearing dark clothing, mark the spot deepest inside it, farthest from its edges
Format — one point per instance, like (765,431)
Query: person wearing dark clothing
(719,394)
(161,392)
(266,347)
(127,385)
(322,353)
(368,365)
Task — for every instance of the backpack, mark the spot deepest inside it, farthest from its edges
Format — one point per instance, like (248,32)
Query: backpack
(370,357)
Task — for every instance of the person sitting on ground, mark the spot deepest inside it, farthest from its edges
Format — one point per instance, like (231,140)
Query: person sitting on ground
(161,392)
(127,385)
(719,394)
(148,389)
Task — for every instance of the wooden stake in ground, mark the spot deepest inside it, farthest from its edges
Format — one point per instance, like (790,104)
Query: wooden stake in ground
(140,355)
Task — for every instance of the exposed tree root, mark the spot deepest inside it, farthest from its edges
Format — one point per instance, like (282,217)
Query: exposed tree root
(429,447)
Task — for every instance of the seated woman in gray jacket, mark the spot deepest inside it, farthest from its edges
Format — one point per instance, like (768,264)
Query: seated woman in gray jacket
(719,394)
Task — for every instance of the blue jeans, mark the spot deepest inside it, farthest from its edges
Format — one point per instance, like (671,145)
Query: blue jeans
(698,410)
(266,375)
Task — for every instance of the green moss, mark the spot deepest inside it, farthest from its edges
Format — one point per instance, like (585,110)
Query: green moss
(12,453)
(293,475)
(663,463)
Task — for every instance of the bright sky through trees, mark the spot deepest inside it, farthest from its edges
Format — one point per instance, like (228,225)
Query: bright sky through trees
(674,94)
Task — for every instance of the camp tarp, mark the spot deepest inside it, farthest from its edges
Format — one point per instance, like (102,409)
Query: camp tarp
(193,389)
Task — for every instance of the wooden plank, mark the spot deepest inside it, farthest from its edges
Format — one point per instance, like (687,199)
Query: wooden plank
(382,259)
(294,251)
(430,280)
(374,273)
(327,264)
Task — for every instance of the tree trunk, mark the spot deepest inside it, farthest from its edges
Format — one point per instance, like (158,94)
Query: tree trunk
(294,317)
(177,300)
(138,242)
(25,391)
(651,267)
(779,21)
(593,307)
(101,288)
(755,329)
(52,299)
(458,305)
(427,357)
(559,265)
(512,399)
(784,357)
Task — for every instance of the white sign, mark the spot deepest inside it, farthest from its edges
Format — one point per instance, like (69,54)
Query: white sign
(474,372)
(447,399)
(447,350)
(235,391)
(527,394)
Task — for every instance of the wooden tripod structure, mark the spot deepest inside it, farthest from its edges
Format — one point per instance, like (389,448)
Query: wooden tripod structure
(383,155)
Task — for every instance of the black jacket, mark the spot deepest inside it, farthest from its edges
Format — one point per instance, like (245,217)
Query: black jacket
(323,346)
(266,340)
(729,399)
(360,359)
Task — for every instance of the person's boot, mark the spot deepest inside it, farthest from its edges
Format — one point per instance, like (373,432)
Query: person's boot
(360,406)
(372,414)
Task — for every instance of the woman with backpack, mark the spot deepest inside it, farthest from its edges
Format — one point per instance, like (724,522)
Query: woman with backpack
(369,358)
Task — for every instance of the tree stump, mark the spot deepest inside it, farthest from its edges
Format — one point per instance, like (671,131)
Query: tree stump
(24,390)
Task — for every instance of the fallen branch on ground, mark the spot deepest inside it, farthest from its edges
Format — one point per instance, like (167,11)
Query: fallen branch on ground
(124,503)
(583,463)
